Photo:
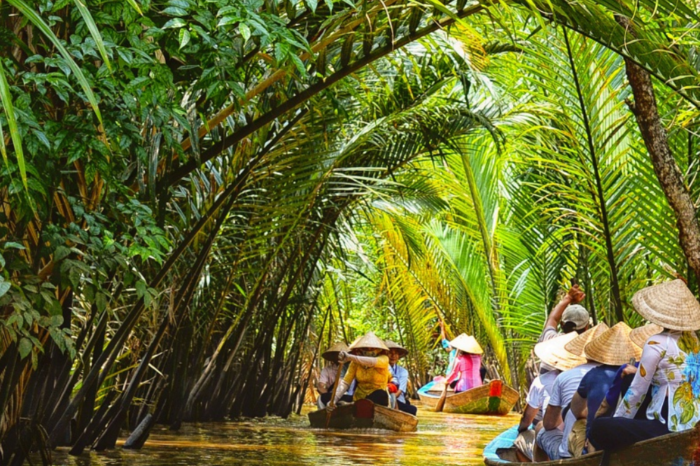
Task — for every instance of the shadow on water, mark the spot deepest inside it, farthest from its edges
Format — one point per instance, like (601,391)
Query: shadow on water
(442,439)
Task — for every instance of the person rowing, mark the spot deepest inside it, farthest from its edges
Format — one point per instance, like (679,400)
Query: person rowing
(327,377)
(369,366)
(467,366)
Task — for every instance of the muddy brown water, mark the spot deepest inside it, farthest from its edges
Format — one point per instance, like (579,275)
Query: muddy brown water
(441,439)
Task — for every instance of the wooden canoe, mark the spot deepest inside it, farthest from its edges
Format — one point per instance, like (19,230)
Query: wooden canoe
(677,449)
(363,414)
(492,398)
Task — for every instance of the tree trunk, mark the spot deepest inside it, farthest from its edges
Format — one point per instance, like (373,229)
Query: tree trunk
(665,167)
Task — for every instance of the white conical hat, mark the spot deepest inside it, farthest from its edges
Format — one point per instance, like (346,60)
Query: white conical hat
(613,347)
(576,345)
(369,340)
(554,353)
(670,305)
(395,346)
(331,354)
(467,343)
(640,335)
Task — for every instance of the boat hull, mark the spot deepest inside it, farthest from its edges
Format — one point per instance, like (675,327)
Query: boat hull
(677,449)
(494,398)
(363,414)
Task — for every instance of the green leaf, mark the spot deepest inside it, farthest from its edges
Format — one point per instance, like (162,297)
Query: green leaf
(13,245)
(6,99)
(2,259)
(94,31)
(312,4)
(184,37)
(36,20)
(56,320)
(25,347)
(135,6)
(141,288)
(60,253)
(4,286)
(245,31)
(175,23)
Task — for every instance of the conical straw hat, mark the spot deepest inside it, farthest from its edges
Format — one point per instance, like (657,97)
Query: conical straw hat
(576,345)
(466,343)
(613,347)
(640,335)
(331,354)
(670,305)
(553,352)
(369,340)
(395,346)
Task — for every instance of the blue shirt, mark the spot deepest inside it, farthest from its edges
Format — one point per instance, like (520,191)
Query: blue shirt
(399,376)
(593,387)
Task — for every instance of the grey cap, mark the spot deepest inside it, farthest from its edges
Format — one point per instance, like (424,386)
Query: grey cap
(577,314)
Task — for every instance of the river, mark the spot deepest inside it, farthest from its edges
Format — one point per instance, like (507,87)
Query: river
(442,439)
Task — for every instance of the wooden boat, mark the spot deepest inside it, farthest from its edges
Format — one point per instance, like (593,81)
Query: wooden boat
(677,449)
(492,398)
(364,414)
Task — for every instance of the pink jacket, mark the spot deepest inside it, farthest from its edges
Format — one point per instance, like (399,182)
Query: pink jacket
(467,366)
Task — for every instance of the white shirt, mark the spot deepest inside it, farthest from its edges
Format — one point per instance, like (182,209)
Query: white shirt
(399,376)
(670,363)
(328,374)
(540,390)
(563,391)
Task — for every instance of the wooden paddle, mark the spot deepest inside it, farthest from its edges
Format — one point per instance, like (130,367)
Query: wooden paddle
(329,413)
(441,402)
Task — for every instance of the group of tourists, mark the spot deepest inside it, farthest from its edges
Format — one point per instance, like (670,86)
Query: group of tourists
(602,388)
(368,369)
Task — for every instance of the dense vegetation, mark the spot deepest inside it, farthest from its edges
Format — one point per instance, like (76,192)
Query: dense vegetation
(198,196)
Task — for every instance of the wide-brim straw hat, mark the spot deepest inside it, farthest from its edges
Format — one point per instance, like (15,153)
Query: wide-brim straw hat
(613,347)
(467,343)
(369,341)
(640,335)
(553,352)
(395,346)
(331,354)
(577,345)
(670,305)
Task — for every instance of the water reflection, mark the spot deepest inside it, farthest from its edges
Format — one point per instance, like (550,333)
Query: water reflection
(442,439)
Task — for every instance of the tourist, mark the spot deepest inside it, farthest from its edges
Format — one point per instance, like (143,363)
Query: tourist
(611,349)
(552,351)
(466,369)
(625,374)
(557,424)
(571,315)
(369,365)
(670,365)
(399,378)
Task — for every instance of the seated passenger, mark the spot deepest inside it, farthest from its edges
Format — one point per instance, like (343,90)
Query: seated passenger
(327,377)
(611,349)
(467,363)
(553,439)
(670,364)
(399,378)
(538,396)
(369,366)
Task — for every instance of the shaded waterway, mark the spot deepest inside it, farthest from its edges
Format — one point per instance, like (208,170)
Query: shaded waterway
(442,439)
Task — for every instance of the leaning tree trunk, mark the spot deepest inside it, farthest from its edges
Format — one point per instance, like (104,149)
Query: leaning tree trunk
(665,166)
